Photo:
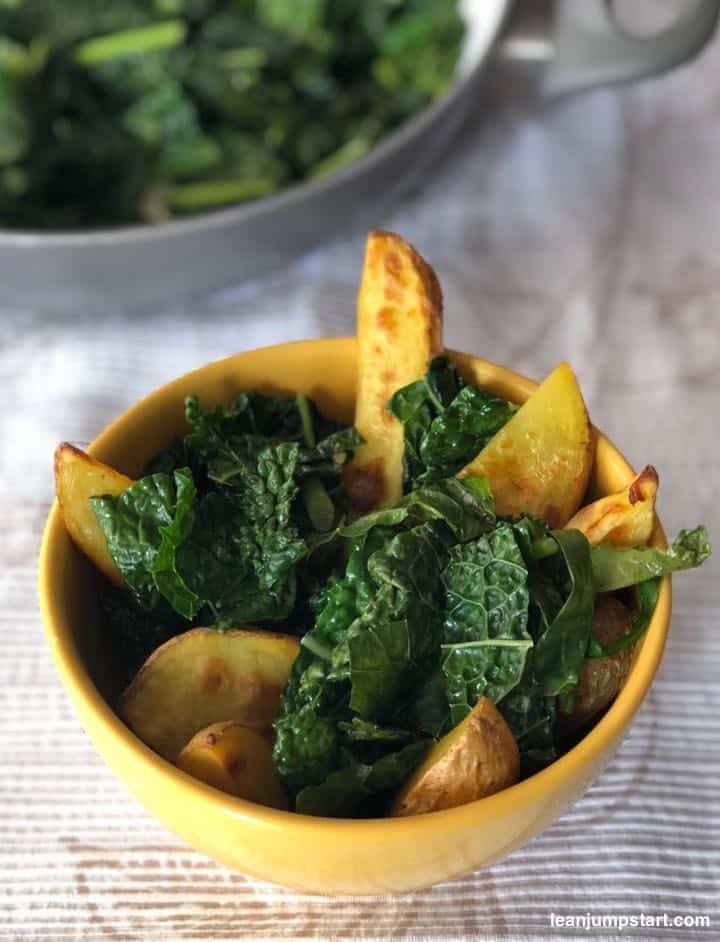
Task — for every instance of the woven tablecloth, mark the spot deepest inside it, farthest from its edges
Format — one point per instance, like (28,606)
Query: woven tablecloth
(589,230)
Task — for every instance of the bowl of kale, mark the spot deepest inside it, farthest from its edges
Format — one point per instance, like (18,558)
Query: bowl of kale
(154,150)
(328,595)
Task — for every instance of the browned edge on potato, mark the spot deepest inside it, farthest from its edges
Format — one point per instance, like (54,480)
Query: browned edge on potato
(399,331)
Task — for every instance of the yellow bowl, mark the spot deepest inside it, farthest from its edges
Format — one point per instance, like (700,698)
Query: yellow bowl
(320,855)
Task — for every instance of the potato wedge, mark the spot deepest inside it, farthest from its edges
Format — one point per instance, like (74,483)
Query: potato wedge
(203,675)
(237,760)
(540,462)
(601,678)
(399,330)
(477,758)
(623,519)
(78,477)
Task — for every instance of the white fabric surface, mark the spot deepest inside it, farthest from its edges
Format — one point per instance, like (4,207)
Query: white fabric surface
(588,231)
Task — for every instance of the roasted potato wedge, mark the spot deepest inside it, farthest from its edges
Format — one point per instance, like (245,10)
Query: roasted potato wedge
(477,758)
(623,519)
(539,462)
(78,477)
(601,678)
(199,677)
(399,330)
(237,760)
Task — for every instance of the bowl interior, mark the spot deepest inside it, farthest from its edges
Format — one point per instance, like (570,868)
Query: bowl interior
(326,371)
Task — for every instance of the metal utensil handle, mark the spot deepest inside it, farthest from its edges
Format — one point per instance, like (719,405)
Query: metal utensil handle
(581,44)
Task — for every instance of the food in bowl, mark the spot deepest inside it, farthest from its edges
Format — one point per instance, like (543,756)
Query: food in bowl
(130,111)
(407,615)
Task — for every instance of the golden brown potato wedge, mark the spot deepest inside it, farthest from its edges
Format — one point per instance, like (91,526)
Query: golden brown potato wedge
(539,462)
(399,330)
(203,676)
(477,758)
(237,760)
(623,519)
(601,678)
(78,477)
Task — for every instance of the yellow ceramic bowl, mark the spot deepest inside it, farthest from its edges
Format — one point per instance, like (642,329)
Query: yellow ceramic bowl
(319,855)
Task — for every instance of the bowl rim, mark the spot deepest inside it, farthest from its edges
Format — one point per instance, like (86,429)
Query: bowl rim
(88,701)
(286,197)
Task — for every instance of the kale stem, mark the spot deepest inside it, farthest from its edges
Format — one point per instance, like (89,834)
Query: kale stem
(323,651)
(489,643)
(544,547)
(194,196)
(306,421)
(129,42)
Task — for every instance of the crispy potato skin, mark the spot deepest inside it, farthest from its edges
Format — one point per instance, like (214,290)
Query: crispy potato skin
(623,519)
(477,758)
(399,330)
(540,462)
(78,477)
(601,677)
(237,760)
(203,677)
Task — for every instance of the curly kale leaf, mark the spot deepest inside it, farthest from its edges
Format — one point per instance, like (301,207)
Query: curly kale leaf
(465,506)
(446,422)
(486,640)
(143,528)
(485,634)
(393,644)
(376,637)
(228,558)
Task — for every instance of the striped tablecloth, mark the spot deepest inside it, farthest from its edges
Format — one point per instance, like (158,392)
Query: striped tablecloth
(590,231)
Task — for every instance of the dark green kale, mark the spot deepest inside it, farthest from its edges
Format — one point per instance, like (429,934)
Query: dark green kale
(344,791)
(561,647)
(375,642)
(530,714)
(226,558)
(221,539)
(132,111)
(446,423)
(486,640)
(136,633)
(152,514)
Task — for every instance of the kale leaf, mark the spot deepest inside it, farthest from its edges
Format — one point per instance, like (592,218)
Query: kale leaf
(446,422)
(466,506)
(149,517)
(136,633)
(393,644)
(486,640)
(375,642)
(228,557)
(615,568)
(343,791)
(560,649)
(530,714)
